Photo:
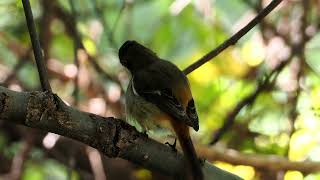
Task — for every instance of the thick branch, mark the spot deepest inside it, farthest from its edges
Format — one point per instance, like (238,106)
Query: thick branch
(112,137)
(233,39)
(43,74)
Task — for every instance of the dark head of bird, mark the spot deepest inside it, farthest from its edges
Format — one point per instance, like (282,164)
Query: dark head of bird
(134,56)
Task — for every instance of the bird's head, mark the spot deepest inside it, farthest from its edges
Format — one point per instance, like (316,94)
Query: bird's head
(135,56)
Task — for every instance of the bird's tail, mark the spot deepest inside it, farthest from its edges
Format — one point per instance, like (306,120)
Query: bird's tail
(190,153)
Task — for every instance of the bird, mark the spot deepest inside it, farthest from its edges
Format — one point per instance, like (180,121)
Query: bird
(159,96)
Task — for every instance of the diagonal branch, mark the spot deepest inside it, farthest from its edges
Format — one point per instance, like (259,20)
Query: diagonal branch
(42,70)
(233,39)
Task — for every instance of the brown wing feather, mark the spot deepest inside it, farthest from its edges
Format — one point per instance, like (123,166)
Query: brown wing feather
(167,87)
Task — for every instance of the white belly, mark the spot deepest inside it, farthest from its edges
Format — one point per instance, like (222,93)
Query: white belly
(142,114)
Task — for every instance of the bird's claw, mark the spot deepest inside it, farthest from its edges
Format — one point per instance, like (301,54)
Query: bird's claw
(145,133)
(172,146)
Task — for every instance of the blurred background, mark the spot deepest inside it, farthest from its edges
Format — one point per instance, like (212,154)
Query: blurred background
(266,87)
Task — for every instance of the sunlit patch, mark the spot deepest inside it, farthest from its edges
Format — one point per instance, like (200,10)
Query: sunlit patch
(177,6)
(50,140)
(245,172)
(90,46)
(97,106)
(315,98)
(114,93)
(70,70)
(253,53)
(307,121)
(293,175)
(282,140)
(301,143)
(205,74)
(143,174)
(15,87)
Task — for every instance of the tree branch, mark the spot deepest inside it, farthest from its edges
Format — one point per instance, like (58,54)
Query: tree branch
(113,137)
(42,70)
(269,162)
(233,39)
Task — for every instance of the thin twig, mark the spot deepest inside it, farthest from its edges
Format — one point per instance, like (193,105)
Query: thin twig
(115,24)
(72,32)
(17,67)
(229,121)
(265,26)
(233,39)
(105,25)
(76,46)
(45,31)
(42,69)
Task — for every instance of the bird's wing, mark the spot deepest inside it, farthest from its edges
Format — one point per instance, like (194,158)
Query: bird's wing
(156,87)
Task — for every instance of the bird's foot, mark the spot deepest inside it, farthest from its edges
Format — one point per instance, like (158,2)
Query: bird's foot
(173,146)
(202,161)
(145,133)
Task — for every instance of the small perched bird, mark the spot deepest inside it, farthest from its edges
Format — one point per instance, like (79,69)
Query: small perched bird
(159,95)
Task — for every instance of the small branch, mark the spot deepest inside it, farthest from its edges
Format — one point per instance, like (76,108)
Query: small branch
(42,70)
(266,162)
(113,137)
(115,24)
(76,46)
(17,67)
(45,31)
(265,26)
(100,15)
(72,32)
(229,121)
(22,53)
(233,39)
